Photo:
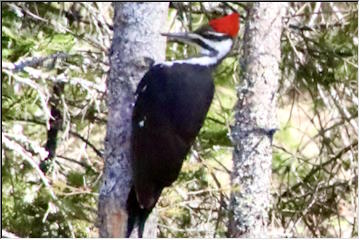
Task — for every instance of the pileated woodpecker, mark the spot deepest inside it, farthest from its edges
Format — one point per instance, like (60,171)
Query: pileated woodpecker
(173,99)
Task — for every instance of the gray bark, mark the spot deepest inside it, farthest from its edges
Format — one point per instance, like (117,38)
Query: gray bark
(255,116)
(137,28)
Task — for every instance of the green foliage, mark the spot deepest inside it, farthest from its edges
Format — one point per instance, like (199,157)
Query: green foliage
(49,60)
(314,184)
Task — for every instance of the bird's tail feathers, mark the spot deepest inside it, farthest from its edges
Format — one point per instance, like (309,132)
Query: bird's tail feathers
(136,215)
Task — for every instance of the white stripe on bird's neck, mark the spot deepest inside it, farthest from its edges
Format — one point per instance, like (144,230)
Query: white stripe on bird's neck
(208,58)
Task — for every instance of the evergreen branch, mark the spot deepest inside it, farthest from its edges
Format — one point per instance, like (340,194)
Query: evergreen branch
(32,62)
(320,167)
(98,152)
(42,92)
(38,61)
(20,150)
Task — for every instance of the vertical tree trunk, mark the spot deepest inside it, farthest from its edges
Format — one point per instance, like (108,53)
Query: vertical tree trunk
(255,121)
(137,28)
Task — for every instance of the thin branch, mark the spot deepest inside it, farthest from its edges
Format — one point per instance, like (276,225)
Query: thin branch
(20,150)
(98,152)
(6,234)
(34,62)
(321,166)
(316,13)
(84,165)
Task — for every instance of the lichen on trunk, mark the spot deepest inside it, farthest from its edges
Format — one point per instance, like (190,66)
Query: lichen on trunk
(255,121)
(137,28)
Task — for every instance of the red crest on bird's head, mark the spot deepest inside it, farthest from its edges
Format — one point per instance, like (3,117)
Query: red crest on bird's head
(228,24)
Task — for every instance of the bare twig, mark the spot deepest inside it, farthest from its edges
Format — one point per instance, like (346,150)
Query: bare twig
(34,62)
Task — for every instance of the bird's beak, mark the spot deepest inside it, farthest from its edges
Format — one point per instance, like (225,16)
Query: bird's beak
(179,37)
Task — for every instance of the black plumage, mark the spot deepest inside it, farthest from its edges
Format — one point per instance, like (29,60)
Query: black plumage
(171,106)
(173,99)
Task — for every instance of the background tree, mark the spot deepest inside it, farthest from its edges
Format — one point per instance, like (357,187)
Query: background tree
(56,54)
(255,121)
(137,28)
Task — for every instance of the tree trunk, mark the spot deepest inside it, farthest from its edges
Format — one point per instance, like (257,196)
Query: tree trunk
(255,121)
(137,28)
